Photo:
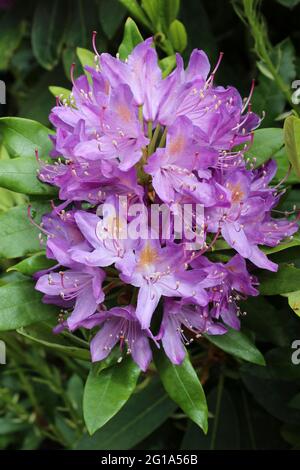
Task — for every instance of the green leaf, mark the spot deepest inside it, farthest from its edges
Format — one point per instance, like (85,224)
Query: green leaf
(22,137)
(60,92)
(75,389)
(18,237)
(294,301)
(184,387)
(237,343)
(271,393)
(11,32)
(107,392)
(9,199)
(20,175)
(167,64)
(47,32)
(82,20)
(43,335)
(169,10)
(280,365)
(284,57)
(266,143)
(111,16)
(153,10)
(268,99)
(144,412)
(7,426)
(178,36)
(32,264)
(273,326)
(268,250)
(21,305)
(132,37)
(292,142)
(269,143)
(85,57)
(135,10)
(289,3)
(284,281)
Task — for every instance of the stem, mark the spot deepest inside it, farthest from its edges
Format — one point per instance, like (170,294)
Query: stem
(141,117)
(163,139)
(248,419)
(217,411)
(150,130)
(151,146)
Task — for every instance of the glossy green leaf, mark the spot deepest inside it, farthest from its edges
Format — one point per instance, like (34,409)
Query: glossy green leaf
(22,137)
(10,199)
(294,301)
(12,30)
(284,58)
(20,175)
(144,412)
(135,10)
(47,32)
(60,92)
(32,264)
(21,305)
(266,143)
(111,15)
(153,10)
(170,10)
(81,22)
(43,335)
(237,343)
(268,99)
(292,142)
(85,57)
(285,280)
(18,237)
(184,387)
(178,35)
(107,392)
(167,64)
(281,247)
(132,37)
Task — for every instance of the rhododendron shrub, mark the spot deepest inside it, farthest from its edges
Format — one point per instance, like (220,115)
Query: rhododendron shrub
(153,226)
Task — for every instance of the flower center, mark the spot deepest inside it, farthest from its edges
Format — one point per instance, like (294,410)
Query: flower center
(148,256)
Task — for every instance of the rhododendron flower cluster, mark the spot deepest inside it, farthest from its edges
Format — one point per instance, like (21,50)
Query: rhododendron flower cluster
(127,132)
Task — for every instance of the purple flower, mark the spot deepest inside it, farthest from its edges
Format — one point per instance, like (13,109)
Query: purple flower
(159,271)
(181,141)
(120,325)
(174,168)
(194,319)
(228,283)
(248,222)
(82,287)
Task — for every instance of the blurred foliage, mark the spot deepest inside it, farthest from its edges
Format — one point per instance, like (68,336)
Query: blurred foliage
(250,406)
